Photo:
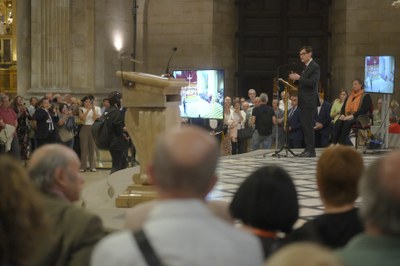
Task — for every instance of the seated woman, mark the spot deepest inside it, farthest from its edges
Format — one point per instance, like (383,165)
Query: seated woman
(357,103)
(266,203)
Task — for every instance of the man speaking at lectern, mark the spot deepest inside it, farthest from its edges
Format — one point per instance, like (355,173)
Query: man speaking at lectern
(308,98)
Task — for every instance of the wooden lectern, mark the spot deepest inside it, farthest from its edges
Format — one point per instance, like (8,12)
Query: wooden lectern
(152,104)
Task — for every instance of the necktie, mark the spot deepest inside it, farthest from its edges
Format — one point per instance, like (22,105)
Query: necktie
(291,112)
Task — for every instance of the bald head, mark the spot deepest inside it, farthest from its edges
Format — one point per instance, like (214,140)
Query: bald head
(380,191)
(390,174)
(185,160)
(56,167)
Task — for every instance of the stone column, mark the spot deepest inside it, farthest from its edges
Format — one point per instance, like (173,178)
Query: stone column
(23,46)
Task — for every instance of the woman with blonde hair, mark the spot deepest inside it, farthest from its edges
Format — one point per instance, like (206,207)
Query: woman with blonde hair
(337,105)
(22,215)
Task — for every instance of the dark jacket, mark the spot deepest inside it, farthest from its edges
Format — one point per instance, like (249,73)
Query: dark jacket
(295,132)
(308,86)
(116,124)
(42,122)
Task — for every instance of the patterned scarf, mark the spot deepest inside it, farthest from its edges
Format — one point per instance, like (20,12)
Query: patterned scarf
(353,102)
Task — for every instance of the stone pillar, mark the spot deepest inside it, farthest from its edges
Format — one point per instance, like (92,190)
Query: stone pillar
(23,21)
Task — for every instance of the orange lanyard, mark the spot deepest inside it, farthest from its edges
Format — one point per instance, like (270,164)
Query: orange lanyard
(263,233)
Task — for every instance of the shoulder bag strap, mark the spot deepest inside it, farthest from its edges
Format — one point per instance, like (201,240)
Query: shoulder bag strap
(146,248)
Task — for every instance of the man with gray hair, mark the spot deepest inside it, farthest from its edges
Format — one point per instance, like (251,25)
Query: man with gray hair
(380,213)
(180,228)
(252,95)
(263,118)
(73,232)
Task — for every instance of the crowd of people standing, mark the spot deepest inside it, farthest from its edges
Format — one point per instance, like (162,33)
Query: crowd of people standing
(65,120)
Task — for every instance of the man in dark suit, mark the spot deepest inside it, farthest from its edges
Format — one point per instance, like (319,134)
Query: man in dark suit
(294,125)
(46,121)
(308,98)
(322,122)
(73,231)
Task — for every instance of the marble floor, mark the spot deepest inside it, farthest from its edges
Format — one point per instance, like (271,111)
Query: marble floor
(101,188)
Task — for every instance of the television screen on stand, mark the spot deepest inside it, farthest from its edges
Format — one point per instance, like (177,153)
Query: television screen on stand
(379,74)
(203,97)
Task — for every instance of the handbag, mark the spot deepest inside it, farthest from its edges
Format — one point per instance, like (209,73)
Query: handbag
(245,133)
(65,135)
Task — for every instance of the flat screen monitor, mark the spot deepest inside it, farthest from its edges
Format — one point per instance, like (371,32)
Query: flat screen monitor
(379,74)
(203,97)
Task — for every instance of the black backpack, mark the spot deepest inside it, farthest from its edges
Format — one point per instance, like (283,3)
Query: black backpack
(101,132)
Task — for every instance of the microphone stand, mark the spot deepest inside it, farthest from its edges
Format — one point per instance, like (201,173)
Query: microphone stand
(167,74)
(285,122)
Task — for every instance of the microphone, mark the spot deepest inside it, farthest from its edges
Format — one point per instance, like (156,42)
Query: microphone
(136,61)
(280,85)
(278,70)
(167,74)
(133,59)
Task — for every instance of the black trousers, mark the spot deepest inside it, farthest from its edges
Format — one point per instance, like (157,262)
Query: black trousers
(307,125)
(118,160)
(341,131)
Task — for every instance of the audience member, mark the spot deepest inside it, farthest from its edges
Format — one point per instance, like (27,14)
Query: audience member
(226,144)
(339,170)
(357,103)
(285,97)
(266,203)
(46,121)
(32,124)
(23,221)
(377,113)
(380,212)
(263,117)
(322,123)
(106,104)
(88,113)
(236,121)
(137,216)
(118,144)
(66,125)
(257,102)
(394,108)
(54,168)
(337,105)
(22,129)
(304,254)
(295,138)
(252,95)
(394,126)
(277,130)
(245,144)
(180,228)
(8,121)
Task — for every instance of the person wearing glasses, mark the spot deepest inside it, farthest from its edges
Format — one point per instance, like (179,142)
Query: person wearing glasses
(308,98)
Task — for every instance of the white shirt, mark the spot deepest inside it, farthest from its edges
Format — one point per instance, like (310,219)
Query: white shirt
(182,232)
(89,117)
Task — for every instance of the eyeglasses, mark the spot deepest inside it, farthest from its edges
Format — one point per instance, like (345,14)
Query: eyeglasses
(304,53)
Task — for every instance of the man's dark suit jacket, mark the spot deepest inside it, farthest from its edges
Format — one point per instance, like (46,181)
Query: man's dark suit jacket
(324,117)
(295,132)
(42,130)
(308,86)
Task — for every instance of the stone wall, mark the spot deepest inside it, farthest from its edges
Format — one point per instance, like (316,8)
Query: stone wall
(203,31)
(361,28)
